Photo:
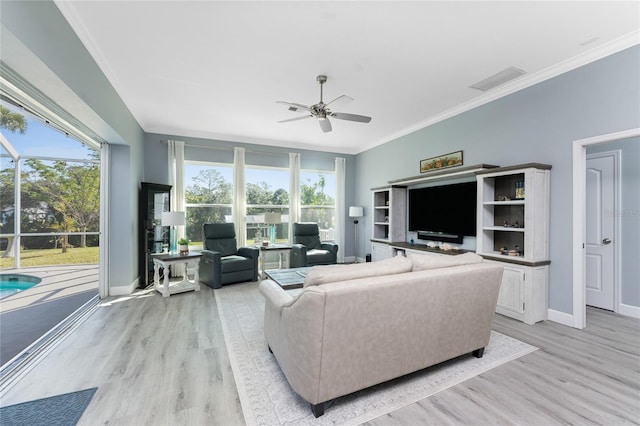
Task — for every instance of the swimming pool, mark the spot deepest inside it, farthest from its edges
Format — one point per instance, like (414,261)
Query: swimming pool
(15,283)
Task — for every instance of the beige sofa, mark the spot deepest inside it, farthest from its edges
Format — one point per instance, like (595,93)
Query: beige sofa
(352,327)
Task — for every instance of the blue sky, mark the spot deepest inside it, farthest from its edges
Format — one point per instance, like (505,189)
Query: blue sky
(41,140)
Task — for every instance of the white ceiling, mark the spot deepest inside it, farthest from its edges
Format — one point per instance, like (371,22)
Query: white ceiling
(215,70)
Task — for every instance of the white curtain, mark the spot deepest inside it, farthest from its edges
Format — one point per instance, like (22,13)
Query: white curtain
(238,211)
(340,207)
(294,191)
(176,180)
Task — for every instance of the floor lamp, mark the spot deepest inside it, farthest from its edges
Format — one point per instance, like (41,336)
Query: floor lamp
(355,212)
(173,219)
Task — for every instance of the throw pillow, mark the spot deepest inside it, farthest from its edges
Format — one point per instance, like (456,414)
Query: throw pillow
(422,262)
(334,273)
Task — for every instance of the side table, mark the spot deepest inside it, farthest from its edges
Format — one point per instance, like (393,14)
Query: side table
(191,264)
(283,251)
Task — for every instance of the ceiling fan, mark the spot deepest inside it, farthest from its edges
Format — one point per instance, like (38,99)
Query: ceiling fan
(321,110)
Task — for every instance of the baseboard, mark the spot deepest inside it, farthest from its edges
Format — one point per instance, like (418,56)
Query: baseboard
(123,290)
(560,317)
(629,310)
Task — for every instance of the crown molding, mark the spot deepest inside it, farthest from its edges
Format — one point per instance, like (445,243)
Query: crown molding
(521,83)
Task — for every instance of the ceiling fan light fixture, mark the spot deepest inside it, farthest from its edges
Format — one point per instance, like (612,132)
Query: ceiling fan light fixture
(321,111)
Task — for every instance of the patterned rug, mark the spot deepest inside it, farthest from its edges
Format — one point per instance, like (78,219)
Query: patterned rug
(267,398)
(59,410)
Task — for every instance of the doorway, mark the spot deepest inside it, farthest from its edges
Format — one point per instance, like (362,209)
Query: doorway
(580,220)
(602,240)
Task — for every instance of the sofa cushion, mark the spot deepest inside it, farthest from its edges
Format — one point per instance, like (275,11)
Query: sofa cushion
(424,261)
(333,273)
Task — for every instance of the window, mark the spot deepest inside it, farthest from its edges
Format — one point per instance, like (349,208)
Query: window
(317,201)
(58,183)
(266,192)
(208,196)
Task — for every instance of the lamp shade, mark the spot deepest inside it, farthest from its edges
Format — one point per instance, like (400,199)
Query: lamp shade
(355,211)
(173,218)
(272,218)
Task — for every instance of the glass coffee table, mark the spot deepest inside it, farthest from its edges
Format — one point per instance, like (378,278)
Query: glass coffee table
(288,278)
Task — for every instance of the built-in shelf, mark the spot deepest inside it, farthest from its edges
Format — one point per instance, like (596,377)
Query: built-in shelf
(389,211)
(503,229)
(525,280)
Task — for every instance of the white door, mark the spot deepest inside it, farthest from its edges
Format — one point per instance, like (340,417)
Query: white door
(601,222)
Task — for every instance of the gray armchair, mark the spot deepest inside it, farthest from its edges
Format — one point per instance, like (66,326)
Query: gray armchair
(308,250)
(222,262)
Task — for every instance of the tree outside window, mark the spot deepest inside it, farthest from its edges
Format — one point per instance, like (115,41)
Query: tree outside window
(266,193)
(317,199)
(208,197)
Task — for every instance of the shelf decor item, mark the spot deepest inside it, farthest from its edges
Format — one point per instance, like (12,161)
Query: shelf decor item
(520,190)
(445,161)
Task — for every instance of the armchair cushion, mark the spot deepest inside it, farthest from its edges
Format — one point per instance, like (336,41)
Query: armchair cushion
(321,256)
(220,237)
(235,263)
(309,241)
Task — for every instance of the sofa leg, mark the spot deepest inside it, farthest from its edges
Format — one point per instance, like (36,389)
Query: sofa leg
(317,409)
(478,353)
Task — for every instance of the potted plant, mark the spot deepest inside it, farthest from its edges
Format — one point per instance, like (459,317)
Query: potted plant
(183,245)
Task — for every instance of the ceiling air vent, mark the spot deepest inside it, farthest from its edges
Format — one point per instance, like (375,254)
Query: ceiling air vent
(498,79)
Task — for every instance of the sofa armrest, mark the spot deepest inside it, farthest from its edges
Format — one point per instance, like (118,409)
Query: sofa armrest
(275,295)
(298,256)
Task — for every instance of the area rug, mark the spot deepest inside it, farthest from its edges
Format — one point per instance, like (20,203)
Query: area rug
(59,410)
(267,398)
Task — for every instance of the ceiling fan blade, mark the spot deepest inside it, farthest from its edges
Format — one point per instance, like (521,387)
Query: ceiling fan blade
(294,106)
(295,119)
(341,100)
(325,125)
(351,117)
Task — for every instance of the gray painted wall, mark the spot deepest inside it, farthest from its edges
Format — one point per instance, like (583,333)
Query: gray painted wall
(537,124)
(629,216)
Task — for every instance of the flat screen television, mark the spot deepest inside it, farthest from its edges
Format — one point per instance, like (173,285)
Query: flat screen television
(443,213)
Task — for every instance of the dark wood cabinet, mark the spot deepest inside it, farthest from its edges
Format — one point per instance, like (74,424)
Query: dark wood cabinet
(154,238)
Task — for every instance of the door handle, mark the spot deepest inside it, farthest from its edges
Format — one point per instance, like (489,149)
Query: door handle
(606,241)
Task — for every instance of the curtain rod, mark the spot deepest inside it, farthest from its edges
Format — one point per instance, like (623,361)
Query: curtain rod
(248,150)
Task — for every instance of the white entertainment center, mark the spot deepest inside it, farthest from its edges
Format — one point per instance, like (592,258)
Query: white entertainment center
(512,229)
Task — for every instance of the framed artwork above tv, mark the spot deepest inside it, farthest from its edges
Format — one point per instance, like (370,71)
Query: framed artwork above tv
(440,162)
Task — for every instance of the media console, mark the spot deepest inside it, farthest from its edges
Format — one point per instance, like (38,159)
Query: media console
(512,229)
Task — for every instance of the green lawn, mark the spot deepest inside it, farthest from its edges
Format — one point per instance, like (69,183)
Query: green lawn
(73,256)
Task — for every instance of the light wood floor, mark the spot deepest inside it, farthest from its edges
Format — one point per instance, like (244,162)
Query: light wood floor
(163,361)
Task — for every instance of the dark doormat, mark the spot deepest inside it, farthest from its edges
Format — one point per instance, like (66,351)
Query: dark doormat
(57,410)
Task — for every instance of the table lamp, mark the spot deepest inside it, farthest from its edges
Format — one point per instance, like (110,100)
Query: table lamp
(272,219)
(173,219)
